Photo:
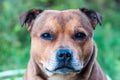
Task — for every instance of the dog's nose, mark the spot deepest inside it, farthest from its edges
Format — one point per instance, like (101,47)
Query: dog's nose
(64,54)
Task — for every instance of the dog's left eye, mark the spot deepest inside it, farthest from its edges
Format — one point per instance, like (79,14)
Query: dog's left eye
(79,36)
(47,36)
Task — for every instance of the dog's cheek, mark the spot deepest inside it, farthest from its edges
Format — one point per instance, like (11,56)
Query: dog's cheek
(87,50)
(37,50)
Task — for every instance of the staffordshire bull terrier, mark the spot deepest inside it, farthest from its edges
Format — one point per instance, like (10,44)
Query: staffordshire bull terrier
(62,45)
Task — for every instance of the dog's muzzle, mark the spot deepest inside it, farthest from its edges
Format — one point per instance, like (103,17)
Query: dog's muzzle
(65,63)
(64,58)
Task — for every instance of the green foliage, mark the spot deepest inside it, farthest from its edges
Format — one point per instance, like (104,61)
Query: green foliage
(15,40)
(108,49)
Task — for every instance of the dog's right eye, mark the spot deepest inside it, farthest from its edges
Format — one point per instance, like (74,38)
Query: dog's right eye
(47,36)
(79,36)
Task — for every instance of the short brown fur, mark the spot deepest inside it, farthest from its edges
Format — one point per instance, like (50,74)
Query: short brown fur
(63,25)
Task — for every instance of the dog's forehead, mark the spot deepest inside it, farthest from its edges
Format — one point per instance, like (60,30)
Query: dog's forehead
(55,17)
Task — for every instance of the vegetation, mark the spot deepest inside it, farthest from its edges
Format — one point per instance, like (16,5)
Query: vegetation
(15,40)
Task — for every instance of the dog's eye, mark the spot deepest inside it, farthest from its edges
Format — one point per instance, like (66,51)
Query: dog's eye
(79,36)
(47,36)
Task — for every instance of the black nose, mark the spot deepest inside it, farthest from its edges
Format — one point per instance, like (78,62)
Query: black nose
(64,54)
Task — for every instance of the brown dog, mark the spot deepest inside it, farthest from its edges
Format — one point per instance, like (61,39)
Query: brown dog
(62,46)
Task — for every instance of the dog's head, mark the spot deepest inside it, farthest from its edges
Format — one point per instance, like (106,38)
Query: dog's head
(61,41)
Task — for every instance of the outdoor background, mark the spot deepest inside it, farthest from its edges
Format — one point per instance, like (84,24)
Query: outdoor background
(15,40)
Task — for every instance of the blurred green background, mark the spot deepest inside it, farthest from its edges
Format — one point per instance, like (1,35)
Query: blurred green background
(15,40)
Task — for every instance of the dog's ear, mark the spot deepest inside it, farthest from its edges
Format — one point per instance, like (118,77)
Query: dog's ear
(93,16)
(29,16)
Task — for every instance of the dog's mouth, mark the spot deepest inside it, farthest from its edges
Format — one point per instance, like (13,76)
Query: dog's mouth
(64,70)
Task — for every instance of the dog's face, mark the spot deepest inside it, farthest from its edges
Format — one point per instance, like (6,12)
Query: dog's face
(61,41)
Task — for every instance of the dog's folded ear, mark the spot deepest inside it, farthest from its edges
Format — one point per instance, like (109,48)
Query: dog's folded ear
(93,16)
(29,16)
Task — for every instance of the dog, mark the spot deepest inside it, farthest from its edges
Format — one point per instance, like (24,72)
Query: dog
(62,45)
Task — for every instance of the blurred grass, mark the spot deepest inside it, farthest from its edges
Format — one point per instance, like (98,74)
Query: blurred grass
(15,40)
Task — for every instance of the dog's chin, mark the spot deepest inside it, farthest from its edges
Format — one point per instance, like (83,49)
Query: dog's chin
(63,70)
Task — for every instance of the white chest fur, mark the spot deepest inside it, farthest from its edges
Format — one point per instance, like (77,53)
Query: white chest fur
(62,77)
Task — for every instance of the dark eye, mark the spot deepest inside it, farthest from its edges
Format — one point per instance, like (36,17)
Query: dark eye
(47,36)
(79,36)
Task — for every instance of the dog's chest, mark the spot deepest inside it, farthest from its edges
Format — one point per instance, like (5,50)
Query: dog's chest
(61,77)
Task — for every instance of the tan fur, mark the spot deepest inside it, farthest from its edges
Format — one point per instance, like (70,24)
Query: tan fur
(63,24)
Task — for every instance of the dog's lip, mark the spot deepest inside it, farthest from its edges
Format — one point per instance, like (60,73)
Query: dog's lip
(63,67)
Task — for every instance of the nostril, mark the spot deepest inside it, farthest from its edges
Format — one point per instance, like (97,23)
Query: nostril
(68,54)
(61,55)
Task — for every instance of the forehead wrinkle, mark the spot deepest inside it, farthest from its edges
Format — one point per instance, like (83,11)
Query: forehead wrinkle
(72,25)
(43,19)
(55,19)
(76,24)
(86,25)
(83,22)
(62,18)
(52,25)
